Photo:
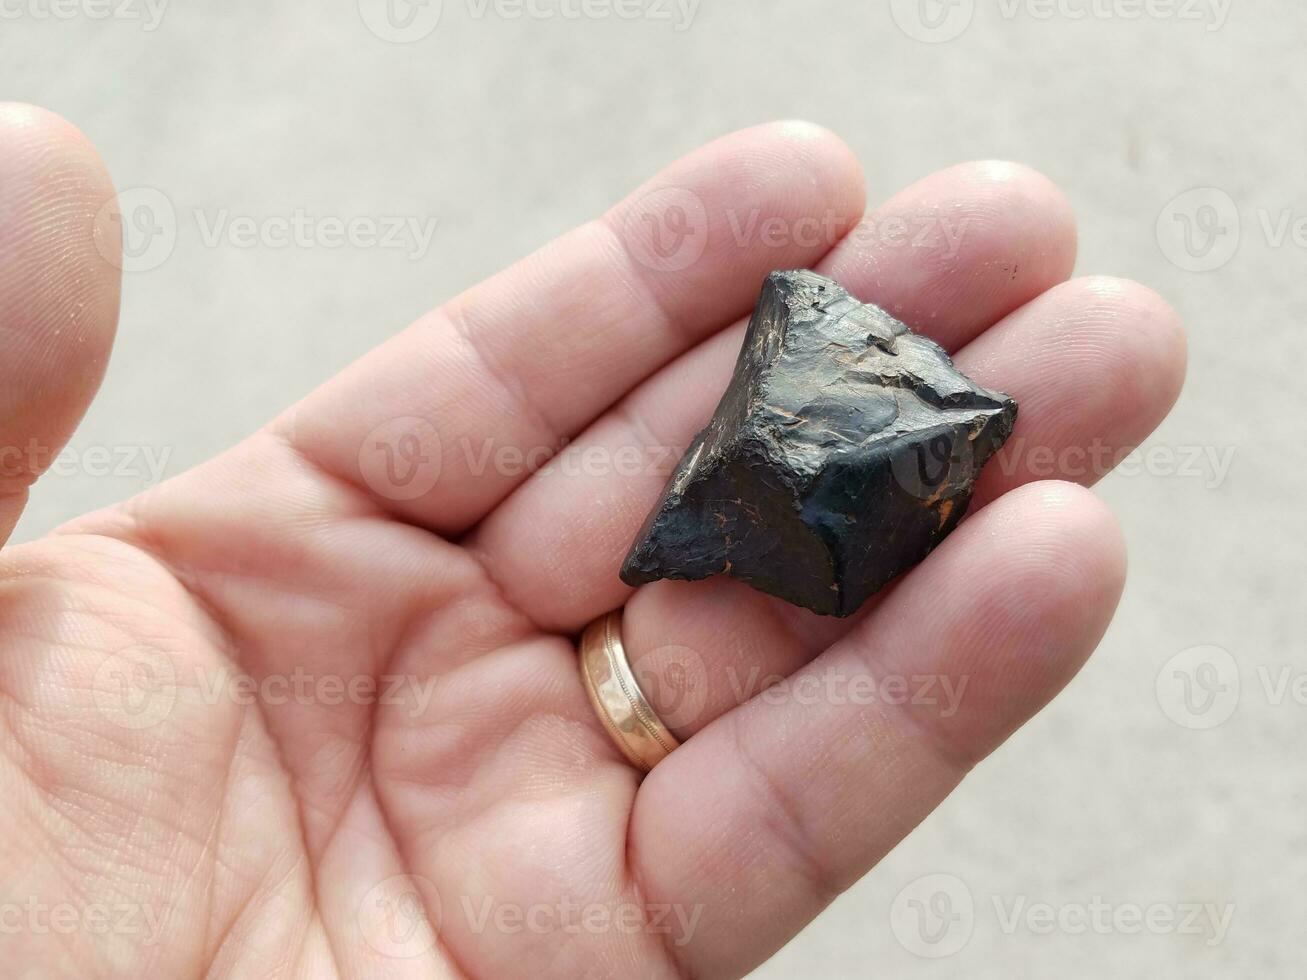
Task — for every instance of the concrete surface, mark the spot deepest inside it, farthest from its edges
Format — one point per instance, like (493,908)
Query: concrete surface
(509,131)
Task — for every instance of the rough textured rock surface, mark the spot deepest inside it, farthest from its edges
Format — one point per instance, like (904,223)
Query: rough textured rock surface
(844,450)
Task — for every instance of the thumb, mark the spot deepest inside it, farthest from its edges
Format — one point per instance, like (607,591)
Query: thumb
(60,250)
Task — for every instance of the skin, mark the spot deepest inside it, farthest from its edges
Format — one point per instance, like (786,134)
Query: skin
(265,835)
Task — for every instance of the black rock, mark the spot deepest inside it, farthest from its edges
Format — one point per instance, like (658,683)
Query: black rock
(844,450)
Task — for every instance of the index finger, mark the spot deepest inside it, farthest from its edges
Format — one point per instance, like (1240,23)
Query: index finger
(523,361)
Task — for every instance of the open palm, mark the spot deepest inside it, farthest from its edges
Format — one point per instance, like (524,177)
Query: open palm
(313,708)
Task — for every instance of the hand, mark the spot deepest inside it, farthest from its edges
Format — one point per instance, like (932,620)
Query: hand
(313,708)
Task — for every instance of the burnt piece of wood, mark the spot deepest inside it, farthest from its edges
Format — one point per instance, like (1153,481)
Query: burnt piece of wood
(844,450)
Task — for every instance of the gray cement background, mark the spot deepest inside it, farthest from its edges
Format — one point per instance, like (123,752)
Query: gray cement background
(510,131)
